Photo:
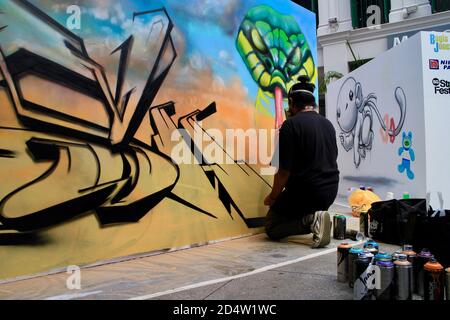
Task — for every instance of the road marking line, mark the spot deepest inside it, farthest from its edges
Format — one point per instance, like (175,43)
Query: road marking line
(73,296)
(210,282)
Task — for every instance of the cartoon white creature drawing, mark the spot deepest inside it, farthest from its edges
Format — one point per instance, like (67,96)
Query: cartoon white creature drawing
(355,117)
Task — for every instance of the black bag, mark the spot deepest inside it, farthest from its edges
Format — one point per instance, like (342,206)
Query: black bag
(433,232)
(395,221)
(409,221)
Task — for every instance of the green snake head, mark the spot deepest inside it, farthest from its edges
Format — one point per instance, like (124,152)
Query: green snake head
(275,51)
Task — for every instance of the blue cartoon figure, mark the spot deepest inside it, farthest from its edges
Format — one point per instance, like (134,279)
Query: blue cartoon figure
(407,154)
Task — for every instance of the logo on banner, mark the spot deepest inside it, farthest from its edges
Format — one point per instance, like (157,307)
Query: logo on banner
(441,86)
(434,64)
(440,43)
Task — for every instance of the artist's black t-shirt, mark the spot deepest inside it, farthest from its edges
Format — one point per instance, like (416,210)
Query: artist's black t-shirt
(308,149)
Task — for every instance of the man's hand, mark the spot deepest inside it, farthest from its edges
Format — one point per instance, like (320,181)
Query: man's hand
(269,201)
(280,180)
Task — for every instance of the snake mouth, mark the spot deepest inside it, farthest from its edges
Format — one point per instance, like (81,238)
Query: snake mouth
(278,80)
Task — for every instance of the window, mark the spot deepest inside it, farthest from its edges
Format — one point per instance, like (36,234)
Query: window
(440,5)
(360,15)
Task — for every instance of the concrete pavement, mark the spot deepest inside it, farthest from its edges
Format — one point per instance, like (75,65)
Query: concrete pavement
(249,268)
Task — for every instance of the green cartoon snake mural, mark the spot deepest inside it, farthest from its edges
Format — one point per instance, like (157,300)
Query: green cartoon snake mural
(276,52)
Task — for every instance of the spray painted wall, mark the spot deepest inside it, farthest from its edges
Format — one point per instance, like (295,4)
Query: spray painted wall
(91,93)
(390,116)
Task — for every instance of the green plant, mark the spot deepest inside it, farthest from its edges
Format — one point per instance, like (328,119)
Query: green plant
(325,81)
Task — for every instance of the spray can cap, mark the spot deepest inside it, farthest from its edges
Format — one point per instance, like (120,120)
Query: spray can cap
(371,243)
(402,257)
(389,196)
(383,256)
(407,247)
(364,255)
(356,250)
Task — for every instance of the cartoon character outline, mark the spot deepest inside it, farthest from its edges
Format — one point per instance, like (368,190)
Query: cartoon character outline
(407,154)
(355,118)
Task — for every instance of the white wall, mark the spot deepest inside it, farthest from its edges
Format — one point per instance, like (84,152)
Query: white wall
(437,116)
(399,67)
(334,9)
(408,9)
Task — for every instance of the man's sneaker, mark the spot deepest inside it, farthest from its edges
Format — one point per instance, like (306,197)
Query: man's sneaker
(321,229)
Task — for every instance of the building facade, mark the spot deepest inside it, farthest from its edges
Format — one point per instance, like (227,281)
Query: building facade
(350,30)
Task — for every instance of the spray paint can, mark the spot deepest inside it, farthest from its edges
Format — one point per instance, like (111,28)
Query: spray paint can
(395,255)
(372,247)
(342,262)
(364,223)
(410,253)
(385,276)
(447,283)
(389,196)
(422,258)
(364,277)
(354,235)
(351,234)
(434,280)
(352,256)
(403,278)
(339,227)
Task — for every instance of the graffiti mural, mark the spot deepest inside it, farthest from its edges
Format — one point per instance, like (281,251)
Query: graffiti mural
(355,117)
(275,52)
(407,154)
(87,116)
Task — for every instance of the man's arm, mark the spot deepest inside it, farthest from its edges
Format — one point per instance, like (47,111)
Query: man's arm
(280,181)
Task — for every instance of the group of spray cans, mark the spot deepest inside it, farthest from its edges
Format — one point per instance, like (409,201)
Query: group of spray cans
(375,275)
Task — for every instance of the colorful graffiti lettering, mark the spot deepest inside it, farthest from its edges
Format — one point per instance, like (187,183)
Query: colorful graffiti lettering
(88,113)
(94,165)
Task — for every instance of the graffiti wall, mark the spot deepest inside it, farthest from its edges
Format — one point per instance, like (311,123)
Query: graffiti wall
(378,112)
(98,98)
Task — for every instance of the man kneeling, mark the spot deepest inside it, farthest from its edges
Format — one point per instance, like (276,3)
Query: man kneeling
(307,180)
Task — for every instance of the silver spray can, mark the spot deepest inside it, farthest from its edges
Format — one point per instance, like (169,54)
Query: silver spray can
(385,280)
(403,278)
